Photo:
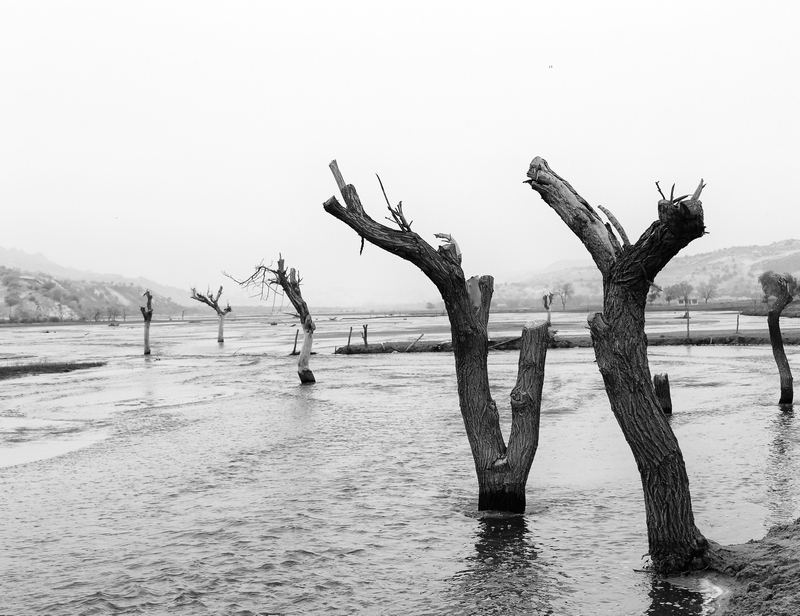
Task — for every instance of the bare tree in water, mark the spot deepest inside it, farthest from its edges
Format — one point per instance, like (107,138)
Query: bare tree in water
(620,348)
(502,470)
(209,299)
(147,313)
(782,287)
(278,280)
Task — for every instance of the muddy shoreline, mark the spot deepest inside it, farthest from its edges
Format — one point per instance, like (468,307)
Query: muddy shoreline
(764,574)
(700,338)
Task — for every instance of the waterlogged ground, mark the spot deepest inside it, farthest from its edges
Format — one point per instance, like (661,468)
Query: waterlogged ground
(206,480)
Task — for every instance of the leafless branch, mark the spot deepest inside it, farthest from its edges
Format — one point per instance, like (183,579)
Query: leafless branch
(209,299)
(278,280)
(613,220)
(397,213)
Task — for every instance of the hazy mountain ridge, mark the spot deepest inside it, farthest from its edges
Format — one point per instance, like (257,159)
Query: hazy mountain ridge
(733,270)
(27,297)
(34,263)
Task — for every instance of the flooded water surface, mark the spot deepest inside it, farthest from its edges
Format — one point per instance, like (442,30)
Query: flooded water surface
(206,480)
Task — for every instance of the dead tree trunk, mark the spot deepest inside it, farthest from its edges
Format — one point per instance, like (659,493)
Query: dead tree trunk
(209,299)
(547,301)
(147,313)
(620,347)
(661,385)
(268,278)
(782,287)
(221,328)
(502,470)
(291,288)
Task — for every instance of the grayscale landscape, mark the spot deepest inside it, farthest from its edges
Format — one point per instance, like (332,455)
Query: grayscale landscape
(382,308)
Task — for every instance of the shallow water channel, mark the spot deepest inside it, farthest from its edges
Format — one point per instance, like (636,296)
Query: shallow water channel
(206,480)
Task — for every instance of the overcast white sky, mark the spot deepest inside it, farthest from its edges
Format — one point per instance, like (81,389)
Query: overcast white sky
(174,140)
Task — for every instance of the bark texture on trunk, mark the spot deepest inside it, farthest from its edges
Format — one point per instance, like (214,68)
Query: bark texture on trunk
(510,474)
(147,337)
(147,313)
(661,386)
(621,350)
(501,470)
(783,287)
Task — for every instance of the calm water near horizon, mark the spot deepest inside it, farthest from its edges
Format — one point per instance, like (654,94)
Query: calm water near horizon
(206,480)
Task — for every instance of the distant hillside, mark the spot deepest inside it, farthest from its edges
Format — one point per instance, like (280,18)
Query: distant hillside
(27,297)
(12,258)
(732,271)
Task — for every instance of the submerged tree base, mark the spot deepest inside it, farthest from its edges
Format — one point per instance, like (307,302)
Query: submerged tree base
(510,499)
(7,372)
(306,377)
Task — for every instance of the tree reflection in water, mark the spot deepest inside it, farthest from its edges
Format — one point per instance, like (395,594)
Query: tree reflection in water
(504,574)
(781,485)
(670,600)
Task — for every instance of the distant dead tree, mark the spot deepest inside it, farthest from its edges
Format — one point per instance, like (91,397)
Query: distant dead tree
(502,470)
(268,279)
(565,290)
(620,347)
(782,287)
(147,313)
(209,299)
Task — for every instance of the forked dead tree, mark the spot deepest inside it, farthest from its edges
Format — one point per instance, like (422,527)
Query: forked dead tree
(277,280)
(209,299)
(620,347)
(782,287)
(502,470)
(147,313)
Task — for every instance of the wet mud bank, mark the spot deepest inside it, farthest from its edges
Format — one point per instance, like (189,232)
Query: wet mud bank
(17,370)
(567,342)
(765,573)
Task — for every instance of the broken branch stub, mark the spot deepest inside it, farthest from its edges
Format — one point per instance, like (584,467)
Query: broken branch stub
(147,312)
(406,244)
(617,225)
(573,209)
